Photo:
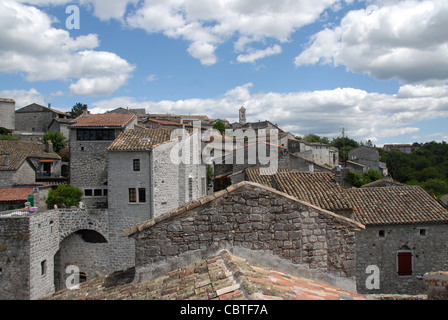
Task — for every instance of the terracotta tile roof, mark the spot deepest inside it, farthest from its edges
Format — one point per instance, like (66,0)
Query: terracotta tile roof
(19,151)
(15,194)
(396,205)
(104,120)
(208,198)
(7,100)
(317,188)
(140,140)
(255,176)
(222,277)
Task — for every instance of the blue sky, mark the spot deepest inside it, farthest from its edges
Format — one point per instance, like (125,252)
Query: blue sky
(378,68)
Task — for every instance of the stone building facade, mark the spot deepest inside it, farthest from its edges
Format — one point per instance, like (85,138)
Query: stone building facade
(144,182)
(90,137)
(368,158)
(36,118)
(406,236)
(35,251)
(256,221)
(7,110)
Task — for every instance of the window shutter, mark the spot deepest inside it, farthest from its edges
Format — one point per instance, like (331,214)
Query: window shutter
(404,263)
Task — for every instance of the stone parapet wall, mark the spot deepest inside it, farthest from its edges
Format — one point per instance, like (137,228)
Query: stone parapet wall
(254,218)
(437,283)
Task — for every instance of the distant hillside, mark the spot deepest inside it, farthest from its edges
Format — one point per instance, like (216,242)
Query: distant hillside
(426,166)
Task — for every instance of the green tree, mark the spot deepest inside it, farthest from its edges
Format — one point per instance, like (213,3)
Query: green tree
(314,138)
(76,110)
(220,126)
(344,145)
(58,140)
(8,138)
(357,179)
(64,195)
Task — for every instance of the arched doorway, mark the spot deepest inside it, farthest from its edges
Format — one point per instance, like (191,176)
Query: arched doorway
(88,250)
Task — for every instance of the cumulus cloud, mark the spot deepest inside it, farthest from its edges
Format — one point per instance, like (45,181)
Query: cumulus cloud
(405,40)
(207,24)
(364,115)
(30,45)
(23,98)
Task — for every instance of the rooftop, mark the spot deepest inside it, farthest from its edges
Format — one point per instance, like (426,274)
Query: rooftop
(15,194)
(140,140)
(19,151)
(104,120)
(395,205)
(317,188)
(222,277)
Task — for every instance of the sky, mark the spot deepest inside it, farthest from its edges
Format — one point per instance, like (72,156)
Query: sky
(376,68)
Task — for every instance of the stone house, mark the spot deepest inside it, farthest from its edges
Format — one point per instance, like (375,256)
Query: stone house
(144,181)
(61,125)
(27,162)
(319,153)
(7,110)
(254,222)
(36,118)
(90,136)
(406,236)
(364,158)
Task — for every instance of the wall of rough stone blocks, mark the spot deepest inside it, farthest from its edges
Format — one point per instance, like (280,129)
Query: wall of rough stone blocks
(429,253)
(7,110)
(33,118)
(252,218)
(14,259)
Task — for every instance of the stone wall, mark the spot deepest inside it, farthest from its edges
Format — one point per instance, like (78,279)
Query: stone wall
(44,243)
(14,259)
(429,253)
(7,110)
(437,283)
(249,218)
(34,117)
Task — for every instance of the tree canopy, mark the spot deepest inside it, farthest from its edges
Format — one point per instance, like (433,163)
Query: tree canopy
(426,166)
(76,110)
(58,140)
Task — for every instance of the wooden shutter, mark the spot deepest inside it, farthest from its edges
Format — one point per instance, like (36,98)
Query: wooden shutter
(404,263)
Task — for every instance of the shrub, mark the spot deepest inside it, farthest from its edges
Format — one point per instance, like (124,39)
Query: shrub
(63,194)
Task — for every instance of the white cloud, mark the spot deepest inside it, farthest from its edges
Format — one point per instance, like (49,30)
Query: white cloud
(23,98)
(207,24)
(254,55)
(364,115)
(405,40)
(30,45)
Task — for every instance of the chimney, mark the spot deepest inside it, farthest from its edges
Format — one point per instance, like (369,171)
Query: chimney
(49,106)
(49,147)
(84,111)
(6,159)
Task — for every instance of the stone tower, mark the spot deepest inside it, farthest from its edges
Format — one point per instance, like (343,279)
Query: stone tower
(242,115)
(8,113)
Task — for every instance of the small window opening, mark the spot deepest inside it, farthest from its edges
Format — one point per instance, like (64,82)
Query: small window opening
(422,232)
(381,234)
(43,267)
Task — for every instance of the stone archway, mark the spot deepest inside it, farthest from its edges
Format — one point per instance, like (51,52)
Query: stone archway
(88,250)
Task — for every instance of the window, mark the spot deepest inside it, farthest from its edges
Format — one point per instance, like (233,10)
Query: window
(204,186)
(105,192)
(404,260)
(43,267)
(98,192)
(88,192)
(422,232)
(95,134)
(190,188)
(381,234)
(132,195)
(142,195)
(136,164)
